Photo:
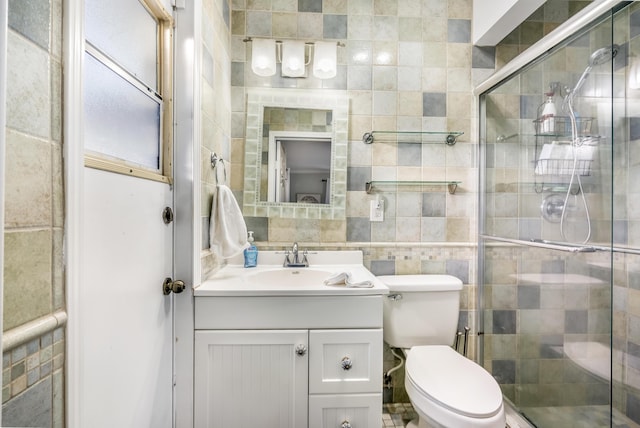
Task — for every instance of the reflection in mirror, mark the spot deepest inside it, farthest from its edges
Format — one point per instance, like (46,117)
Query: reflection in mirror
(296,154)
(297,151)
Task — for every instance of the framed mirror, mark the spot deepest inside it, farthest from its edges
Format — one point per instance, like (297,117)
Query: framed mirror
(296,153)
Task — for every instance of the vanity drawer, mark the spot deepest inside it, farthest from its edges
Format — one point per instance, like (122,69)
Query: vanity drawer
(345,361)
(345,410)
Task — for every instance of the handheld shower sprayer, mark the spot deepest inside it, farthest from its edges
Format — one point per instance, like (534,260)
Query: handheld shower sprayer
(599,57)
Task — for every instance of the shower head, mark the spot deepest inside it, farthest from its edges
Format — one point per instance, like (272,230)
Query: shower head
(598,57)
(603,55)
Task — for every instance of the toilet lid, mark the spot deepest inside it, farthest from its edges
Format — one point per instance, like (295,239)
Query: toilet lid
(453,381)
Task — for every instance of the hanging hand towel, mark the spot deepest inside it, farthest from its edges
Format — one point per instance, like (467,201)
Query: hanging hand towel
(227,229)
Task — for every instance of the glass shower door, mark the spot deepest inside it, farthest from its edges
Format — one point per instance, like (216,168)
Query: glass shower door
(556,250)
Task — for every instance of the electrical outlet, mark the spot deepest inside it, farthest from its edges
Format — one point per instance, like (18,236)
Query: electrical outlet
(376,212)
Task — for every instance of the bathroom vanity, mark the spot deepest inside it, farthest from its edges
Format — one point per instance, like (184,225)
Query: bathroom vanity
(276,347)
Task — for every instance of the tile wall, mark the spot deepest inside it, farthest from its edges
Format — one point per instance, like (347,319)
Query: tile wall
(215,113)
(407,65)
(34,213)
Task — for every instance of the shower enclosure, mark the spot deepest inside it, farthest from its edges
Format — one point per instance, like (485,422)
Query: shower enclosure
(559,232)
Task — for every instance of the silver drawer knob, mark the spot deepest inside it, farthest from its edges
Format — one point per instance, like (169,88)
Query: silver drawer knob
(301,349)
(345,424)
(346,363)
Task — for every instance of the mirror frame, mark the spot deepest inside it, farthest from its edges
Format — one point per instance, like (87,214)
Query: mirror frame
(257,100)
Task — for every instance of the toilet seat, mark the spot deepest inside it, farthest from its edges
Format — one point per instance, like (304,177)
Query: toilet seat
(454,382)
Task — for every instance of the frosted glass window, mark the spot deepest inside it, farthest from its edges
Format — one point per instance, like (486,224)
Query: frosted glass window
(121,121)
(126,32)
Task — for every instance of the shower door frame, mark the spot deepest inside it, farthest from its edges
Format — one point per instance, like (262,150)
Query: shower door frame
(538,52)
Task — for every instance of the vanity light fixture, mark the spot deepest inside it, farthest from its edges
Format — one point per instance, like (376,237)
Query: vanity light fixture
(263,57)
(294,57)
(324,60)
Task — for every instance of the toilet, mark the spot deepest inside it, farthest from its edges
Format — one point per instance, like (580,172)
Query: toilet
(446,389)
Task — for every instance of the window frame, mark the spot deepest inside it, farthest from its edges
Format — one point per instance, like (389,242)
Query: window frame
(163,94)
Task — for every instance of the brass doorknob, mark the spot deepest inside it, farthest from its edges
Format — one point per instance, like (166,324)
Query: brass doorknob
(170,285)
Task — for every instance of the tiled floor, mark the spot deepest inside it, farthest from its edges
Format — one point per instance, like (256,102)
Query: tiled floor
(397,414)
(579,416)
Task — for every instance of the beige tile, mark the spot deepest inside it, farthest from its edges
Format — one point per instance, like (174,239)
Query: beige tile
(434,30)
(28,87)
(258,4)
(458,55)
(335,6)
(460,9)
(310,25)
(434,79)
(284,25)
(27,276)
(333,230)
(58,278)
(238,22)
(434,54)
(28,198)
(284,5)
(58,199)
(410,103)
(458,230)
(410,7)
(385,7)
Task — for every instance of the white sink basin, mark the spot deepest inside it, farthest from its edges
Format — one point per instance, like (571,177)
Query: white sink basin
(288,277)
(269,278)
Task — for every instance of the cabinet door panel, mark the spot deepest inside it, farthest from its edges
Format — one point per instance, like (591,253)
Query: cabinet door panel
(354,410)
(345,361)
(250,378)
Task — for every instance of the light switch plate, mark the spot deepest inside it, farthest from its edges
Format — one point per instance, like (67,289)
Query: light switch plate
(376,212)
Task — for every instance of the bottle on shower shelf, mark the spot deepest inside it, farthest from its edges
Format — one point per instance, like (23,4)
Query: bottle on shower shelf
(547,115)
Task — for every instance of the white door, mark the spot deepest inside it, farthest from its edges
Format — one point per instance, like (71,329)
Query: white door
(125,333)
(126,320)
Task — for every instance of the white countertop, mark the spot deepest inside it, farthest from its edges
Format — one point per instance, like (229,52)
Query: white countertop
(236,280)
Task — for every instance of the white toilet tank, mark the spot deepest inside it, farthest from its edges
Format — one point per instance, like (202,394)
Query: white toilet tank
(420,310)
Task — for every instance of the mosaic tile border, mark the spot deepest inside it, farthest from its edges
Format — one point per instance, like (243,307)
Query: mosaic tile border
(32,362)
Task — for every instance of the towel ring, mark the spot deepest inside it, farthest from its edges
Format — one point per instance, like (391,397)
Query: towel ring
(219,162)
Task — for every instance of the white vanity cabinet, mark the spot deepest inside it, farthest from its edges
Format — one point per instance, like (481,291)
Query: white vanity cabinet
(249,378)
(345,381)
(288,361)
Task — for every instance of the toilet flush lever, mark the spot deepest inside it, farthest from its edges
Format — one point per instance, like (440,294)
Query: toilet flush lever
(395,297)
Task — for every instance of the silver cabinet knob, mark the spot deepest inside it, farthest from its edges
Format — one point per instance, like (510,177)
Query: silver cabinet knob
(345,424)
(301,349)
(346,363)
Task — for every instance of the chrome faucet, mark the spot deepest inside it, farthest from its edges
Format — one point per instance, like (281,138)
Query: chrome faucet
(296,258)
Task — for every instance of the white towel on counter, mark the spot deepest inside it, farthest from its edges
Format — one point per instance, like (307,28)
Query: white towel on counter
(344,278)
(227,229)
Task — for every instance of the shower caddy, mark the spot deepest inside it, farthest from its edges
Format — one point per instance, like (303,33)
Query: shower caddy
(552,165)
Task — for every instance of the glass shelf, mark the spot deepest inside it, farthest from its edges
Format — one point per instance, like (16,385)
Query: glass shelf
(450,137)
(452,186)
